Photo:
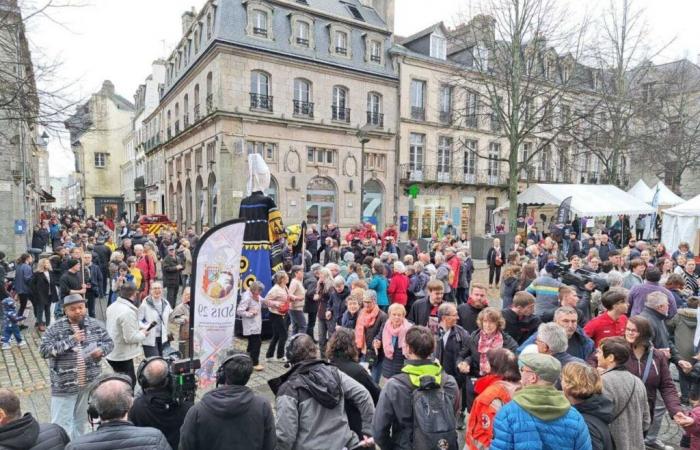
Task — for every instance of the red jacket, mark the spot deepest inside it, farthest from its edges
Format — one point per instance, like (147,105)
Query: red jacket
(389,232)
(398,289)
(603,326)
(148,269)
(455,264)
(479,432)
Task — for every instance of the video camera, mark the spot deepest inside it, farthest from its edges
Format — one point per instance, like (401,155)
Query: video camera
(182,381)
(579,278)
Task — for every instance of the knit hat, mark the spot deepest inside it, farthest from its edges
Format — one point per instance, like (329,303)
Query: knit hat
(551,267)
(545,366)
(73,262)
(73,298)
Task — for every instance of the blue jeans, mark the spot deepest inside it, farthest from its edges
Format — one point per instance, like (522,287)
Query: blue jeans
(70,412)
(298,321)
(11,329)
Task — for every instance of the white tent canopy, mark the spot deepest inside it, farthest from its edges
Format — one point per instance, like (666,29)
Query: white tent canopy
(641,191)
(587,200)
(666,196)
(681,223)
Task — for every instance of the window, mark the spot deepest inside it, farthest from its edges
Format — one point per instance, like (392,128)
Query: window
(471,116)
(259,23)
(444,156)
(491,205)
(302,33)
(100,160)
(415,155)
(374,110)
(494,166)
(196,102)
(209,26)
(438,46)
(496,113)
(355,13)
(267,150)
(321,156)
(481,58)
(525,153)
(339,108)
(470,161)
(648,92)
(210,95)
(302,98)
(259,91)
(341,43)
(446,104)
(418,99)
(186,108)
(375,51)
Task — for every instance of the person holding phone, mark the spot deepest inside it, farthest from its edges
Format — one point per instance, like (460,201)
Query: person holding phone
(155,308)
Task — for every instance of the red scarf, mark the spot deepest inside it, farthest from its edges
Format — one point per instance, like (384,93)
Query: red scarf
(486,343)
(364,321)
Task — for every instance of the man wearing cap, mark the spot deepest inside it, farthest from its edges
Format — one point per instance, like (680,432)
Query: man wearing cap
(171,275)
(545,288)
(74,346)
(539,416)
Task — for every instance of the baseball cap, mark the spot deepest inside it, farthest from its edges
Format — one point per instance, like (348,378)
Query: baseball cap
(550,267)
(545,366)
(315,266)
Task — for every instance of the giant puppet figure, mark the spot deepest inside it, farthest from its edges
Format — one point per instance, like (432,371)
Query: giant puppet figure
(262,246)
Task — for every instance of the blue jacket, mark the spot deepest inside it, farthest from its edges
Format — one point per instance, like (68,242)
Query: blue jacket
(514,428)
(580,345)
(23,274)
(380,284)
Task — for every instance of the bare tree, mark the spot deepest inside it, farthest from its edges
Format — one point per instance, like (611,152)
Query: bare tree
(521,78)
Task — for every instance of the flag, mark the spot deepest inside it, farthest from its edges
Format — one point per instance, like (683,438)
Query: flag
(650,225)
(214,284)
(563,211)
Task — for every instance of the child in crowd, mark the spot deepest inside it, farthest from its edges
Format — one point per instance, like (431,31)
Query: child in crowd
(10,324)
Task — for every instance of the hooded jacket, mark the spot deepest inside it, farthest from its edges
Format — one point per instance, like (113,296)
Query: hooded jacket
(393,419)
(155,409)
(597,411)
(26,433)
(120,434)
(539,417)
(229,417)
(682,326)
(310,405)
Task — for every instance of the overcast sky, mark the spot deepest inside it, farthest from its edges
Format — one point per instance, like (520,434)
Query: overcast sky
(118,39)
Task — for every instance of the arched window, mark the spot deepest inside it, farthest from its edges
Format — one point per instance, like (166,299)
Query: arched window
(188,203)
(177,118)
(374,109)
(302,98)
(339,109)
(209,26)
(213,203)
(196,102)
(178,205)
(210,95)
(186,109)
(321,198)
(171,202)
(201,204)
(272,190)
(260,90)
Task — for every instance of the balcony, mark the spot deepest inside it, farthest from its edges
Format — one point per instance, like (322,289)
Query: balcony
(186,121)
(376,119)
(260,31)
(169,133)
(341,51)
(210,103)
(495,123)
(303,42)
(417,113)
(305,109)
(457,175)
(375,58)
(177,127)
(446,117)
(471,121)
(260,101)
(196,113)
(340,114)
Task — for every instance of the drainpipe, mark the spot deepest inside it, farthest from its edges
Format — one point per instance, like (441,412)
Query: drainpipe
(397,149)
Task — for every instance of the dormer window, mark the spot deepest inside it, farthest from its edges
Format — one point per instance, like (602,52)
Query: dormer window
(375,51)
(341,43)
(438,46)
(259,20)
(260,23)
(302,34)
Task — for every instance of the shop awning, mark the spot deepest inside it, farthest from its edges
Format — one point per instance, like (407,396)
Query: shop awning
(46,197)
(587,200)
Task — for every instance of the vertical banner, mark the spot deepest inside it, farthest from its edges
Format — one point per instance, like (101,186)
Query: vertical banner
(650,221)
(563,211)
(214,285)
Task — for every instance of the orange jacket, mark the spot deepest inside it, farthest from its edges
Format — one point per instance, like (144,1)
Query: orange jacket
(479,431)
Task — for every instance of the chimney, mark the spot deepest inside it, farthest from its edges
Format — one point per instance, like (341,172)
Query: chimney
(187,19)
(107,88)
(385,9)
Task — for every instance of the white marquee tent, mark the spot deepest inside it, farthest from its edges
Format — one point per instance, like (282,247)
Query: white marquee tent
(681,223)
(641,191)
(587,200)
(646,194)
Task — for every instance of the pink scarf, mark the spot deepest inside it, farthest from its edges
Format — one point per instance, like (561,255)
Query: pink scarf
(389,333)
(486,343)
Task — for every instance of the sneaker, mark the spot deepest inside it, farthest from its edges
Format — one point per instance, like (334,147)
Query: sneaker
(22,344)
(259,367)
(282,359)
(657,445)
(6,346)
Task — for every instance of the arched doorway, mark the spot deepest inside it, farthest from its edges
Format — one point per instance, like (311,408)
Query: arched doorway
(372,201)
(213,201)
(321,198)
(188,203)
(178,200)
(201,204)
(272,190)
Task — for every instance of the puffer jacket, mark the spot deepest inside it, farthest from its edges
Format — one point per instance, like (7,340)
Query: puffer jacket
(310,405)
(597,411)
(58,344)
(120,434)
(123,326)
(492,393)
(682,326)
(539,418)
(26,433)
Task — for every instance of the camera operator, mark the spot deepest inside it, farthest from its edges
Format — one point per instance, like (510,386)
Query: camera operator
(156,407)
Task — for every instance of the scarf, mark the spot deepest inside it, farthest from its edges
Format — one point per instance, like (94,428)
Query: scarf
(364,321)
(486,343)
(470,301)
(389,333)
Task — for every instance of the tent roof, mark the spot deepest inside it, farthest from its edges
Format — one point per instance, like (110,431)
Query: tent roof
(641,191)
(690,208)
(666,196)
(588,200)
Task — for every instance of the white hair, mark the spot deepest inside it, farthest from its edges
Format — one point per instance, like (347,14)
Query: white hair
(554,336)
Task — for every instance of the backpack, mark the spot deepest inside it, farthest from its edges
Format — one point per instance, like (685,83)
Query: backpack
(434,423)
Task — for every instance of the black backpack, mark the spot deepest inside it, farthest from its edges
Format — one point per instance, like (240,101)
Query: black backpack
(434,423)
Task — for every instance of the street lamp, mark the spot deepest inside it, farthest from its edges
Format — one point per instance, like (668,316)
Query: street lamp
(363,137)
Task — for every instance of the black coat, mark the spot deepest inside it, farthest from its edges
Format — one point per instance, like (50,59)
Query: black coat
(448,354)
(28,434)
(520,329)
(359,374)
(470,354)
(467,317)
(155,409)
(229,417)
(43,291)
(120,434)
(40,238)
(103,256)
(491,257)
(509,287)
(597,411)
(171,273)
(420,312)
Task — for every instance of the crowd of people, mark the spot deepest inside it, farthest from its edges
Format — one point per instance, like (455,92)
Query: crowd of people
(577,355)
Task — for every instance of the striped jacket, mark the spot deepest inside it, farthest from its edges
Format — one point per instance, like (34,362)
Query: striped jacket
(546,291)
(58,346)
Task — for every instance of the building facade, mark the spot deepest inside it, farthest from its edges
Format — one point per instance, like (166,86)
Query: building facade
(294,84)
(97,131)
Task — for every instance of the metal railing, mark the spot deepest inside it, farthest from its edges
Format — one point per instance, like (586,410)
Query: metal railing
(446,117)
(196,113)
(260,31)
(303,42)
(340,114)
(305,109)
(375,58)
(177,127)
(341,51)
(375,118)
(417,113)
(186,121)
(260,101)
(210,103)
(451,175)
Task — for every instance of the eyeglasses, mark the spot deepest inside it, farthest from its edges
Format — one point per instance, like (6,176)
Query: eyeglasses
(631,331)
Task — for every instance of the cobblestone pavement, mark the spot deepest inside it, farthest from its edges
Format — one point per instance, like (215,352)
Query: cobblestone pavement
(24,371)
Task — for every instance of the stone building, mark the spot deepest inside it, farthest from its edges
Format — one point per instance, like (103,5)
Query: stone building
(293,81)
(97,130)
(22,145)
